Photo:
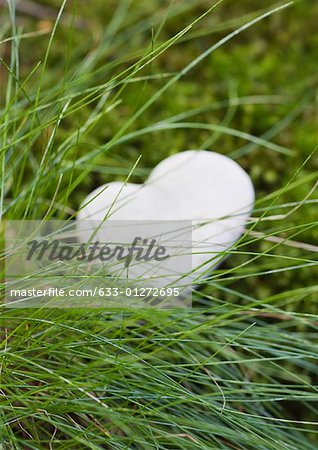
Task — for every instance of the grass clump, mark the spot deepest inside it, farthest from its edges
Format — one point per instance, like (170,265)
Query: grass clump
(84,93)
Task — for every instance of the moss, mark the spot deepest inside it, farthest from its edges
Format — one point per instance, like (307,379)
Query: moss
(276,57)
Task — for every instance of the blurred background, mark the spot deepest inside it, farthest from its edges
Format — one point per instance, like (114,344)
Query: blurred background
(262,84)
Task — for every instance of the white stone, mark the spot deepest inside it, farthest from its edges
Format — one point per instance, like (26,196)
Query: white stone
(201,186)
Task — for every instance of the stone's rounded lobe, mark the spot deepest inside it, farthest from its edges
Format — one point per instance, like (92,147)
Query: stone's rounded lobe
(194,185)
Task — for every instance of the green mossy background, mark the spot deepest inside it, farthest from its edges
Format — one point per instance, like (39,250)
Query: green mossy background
(277,58)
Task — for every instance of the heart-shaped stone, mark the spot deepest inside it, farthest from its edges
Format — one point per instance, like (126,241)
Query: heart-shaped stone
(208,189)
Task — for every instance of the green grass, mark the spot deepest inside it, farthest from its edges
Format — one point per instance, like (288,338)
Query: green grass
(81,100)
